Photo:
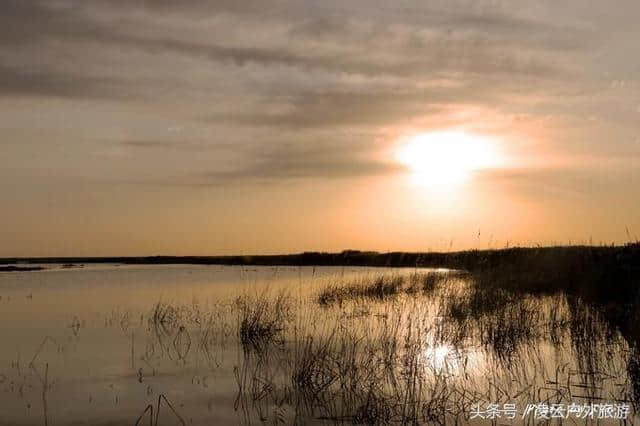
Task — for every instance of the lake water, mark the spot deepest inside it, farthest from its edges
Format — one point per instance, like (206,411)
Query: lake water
(98,345)
(90,326)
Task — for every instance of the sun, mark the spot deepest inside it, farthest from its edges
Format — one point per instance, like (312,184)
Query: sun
(446,158)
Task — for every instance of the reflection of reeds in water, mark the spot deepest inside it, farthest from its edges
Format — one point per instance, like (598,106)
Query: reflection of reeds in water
(178,329)
(420,348)
(381,287)
(408,347)
(149,411)
(262,319)
(424,357)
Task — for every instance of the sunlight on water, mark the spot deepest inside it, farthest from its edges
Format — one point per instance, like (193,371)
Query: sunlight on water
(232,345)
(441,358)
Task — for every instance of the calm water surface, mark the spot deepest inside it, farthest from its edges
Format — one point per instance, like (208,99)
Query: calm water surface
(87,330)
(97,345)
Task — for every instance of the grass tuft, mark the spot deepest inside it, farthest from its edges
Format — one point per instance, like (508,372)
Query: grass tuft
(262,319)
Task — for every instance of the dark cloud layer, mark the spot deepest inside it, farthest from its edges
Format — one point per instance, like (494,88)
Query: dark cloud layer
(288,160)
(292,69)
(26,81)
(34,25)
(338,109)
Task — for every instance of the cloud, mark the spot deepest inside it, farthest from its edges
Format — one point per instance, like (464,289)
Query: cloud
(368,48)
(290,162)
(335,109)
(291,70)
(178,144)
(152,144)
(284,168)
(25,81)
(563,182)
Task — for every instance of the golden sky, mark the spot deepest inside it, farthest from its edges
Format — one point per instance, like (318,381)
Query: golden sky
(133,127)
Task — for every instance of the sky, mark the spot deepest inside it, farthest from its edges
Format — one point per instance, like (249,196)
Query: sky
(143,127)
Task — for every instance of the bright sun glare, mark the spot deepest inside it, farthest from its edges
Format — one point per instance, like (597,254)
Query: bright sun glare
(443,159)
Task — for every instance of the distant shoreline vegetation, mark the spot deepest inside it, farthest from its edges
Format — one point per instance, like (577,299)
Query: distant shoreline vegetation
(471,260)
(12,268)
(608,276)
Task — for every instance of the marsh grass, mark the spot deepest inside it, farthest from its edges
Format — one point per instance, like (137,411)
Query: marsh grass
(410,347)
(423,351)
(414,348)
(378,288)
(179,329)
(381,288)
(262,319)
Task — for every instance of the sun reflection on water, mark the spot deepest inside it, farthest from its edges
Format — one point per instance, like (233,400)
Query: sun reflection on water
(441,358)
(447,359)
